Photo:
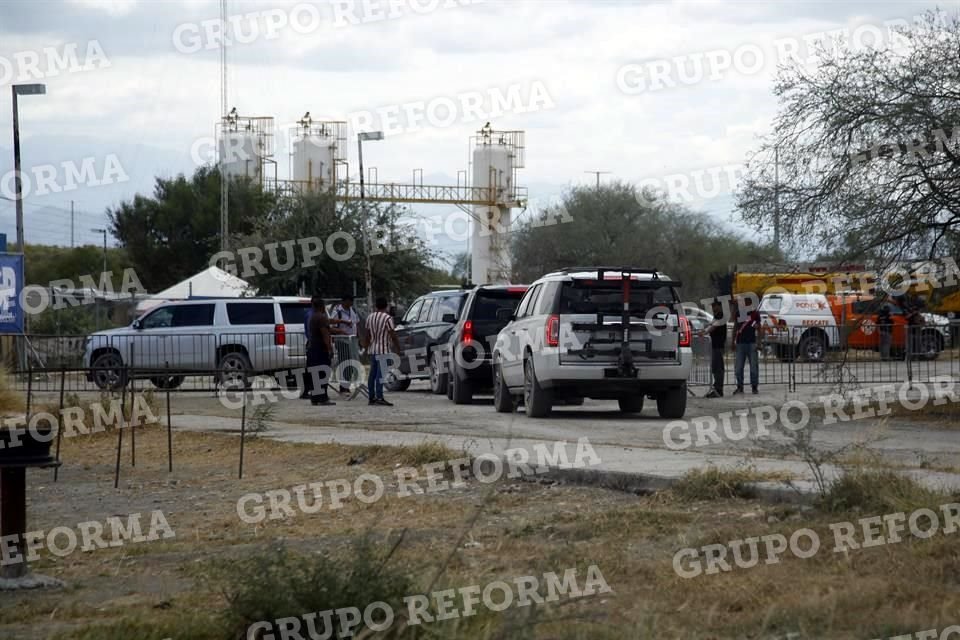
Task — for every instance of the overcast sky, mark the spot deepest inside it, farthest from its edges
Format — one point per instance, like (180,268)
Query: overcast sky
(593,79)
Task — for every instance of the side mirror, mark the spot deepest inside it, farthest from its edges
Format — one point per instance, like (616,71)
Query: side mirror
(449,318)
(137,325)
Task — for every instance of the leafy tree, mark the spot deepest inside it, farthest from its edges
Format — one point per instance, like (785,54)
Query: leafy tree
(171,236)
(45,264)
(618,225)
(400,259)
(460,267)
(868,149)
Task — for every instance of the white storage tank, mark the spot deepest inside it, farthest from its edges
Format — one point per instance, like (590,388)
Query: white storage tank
(314,159)
(492,168)
(240,155)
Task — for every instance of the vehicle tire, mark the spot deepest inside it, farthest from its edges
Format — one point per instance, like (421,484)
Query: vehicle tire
(502,400)
(109,373)
(235,370)
(537,401)
(394,383)
(438,374)
(167,382)
(449,386)
(931,345)
(672,403)
(462,393)
(631,404)
(813,348)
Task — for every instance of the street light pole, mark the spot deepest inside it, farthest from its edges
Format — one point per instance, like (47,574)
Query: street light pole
(104,232)
(368,263)
(20,90)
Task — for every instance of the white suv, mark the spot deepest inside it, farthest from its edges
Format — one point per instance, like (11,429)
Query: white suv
(595,332)
(230,338)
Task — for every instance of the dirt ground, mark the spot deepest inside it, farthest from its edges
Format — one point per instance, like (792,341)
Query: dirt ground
(523,528)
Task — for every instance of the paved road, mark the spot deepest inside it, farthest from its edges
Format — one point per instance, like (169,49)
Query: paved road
(632,444)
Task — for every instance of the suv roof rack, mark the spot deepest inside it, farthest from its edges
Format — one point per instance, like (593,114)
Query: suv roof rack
(654,271)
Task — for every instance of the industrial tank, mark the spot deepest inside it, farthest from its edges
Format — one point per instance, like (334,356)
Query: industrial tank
(314,159)
(492,169)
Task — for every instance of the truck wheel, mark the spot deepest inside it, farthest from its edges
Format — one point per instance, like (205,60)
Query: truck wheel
(672,403)
(108,371)
(502,400)
(930,345)
(438,374)
(813,348)
(235,370)
(631,404)
(537,401)
(462,393)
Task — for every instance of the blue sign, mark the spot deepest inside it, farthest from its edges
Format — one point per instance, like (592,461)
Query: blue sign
(11,288)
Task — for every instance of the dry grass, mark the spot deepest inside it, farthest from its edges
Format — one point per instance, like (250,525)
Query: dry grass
(150,590)
(714,483)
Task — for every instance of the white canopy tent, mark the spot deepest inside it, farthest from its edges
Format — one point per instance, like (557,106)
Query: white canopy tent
(210,283)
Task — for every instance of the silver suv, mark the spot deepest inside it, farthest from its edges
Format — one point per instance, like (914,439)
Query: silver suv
(595,332)
(231,338)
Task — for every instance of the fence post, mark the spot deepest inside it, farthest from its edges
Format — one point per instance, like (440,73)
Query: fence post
(123,411)
(243,422)
(133,427)
(909,356)
(63,376)
(169,428)
(29,388)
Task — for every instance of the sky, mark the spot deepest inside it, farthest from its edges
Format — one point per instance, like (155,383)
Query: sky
(667,94)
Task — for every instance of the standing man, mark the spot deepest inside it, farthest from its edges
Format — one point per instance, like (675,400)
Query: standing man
(745,346)
(717,330)
(348,320)
(319,350)
(380,337)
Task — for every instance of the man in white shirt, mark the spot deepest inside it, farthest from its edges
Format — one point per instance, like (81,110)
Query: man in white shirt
(346,318)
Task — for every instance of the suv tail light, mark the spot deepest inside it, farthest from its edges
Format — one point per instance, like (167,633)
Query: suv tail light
(467,336)
(553,331)
(279,335)
(685,336)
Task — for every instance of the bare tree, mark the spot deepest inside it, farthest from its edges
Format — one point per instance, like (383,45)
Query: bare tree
(864,156)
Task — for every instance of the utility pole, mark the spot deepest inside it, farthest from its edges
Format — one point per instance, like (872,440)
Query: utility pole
(598,174)
(776,197)
(104,232)
(20,90)
(71,224)
(368,263)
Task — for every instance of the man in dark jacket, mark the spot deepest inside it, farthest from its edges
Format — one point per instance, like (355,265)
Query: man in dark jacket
(319,351)
(717,330)
(745,347)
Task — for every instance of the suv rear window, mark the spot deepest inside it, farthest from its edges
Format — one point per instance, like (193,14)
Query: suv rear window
(294,312)
(592,297)
(490,301)
(250,313)
(450,304)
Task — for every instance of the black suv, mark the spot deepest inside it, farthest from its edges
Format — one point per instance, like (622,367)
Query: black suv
(487,310)
(427,323)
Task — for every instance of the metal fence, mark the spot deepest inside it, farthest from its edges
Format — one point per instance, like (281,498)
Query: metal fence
(182,360)
(833,355)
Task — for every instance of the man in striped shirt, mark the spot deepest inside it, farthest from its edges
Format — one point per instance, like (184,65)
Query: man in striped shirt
(380,337)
